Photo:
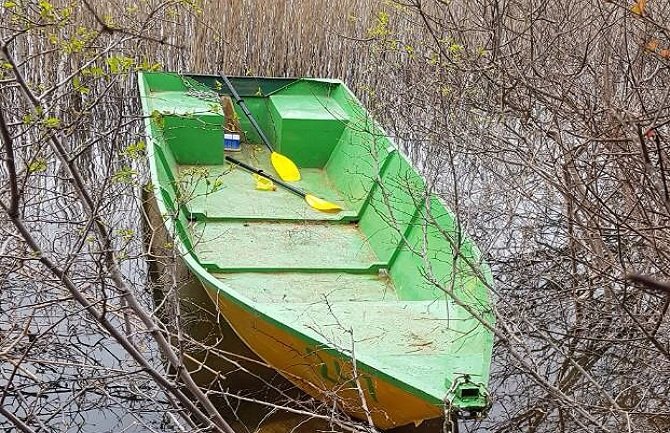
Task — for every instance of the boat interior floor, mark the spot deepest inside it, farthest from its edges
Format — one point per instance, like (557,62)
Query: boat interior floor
(361,314)
(227,192)
(274,232)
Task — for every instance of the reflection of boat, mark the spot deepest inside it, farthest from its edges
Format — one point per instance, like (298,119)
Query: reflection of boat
(379,306)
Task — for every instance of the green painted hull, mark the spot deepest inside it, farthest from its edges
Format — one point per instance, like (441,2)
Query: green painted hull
(384,306)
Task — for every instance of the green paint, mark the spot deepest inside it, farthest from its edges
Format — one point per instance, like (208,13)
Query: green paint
(303,287)
(307,127)
(245,86)
(391,206)
(253,204)
(325,278)
(195,139)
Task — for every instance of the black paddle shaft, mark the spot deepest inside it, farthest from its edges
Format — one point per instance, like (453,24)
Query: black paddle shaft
(246,111)
(260,172)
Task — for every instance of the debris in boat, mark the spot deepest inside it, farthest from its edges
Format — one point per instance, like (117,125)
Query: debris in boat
(264,184)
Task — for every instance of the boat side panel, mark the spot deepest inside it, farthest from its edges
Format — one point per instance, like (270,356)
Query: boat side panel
(163,82)
(424,264)
(307,86)
(245,86)
(357,161)
(441,260)
(392,206)
(164,168)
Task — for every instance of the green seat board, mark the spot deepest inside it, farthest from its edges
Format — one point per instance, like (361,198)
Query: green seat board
(310,287)
(268,245)
(307,126)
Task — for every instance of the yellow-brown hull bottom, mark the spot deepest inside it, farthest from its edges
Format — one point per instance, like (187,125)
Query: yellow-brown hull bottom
(324,375)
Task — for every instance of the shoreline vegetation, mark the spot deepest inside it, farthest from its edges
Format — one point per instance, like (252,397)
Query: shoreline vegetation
(543,125)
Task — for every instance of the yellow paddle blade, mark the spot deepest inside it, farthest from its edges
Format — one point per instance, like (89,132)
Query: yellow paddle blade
(321,205)
(264,184)
(285,168)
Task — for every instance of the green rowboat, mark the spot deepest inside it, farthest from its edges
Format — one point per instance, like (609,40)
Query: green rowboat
(383,307)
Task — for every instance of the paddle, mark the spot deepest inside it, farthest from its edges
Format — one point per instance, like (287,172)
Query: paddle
(286,169)
(315,202)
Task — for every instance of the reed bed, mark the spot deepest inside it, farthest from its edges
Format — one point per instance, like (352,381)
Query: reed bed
(543,124)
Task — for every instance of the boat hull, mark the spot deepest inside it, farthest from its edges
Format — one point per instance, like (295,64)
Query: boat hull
(322,374)
(392,272)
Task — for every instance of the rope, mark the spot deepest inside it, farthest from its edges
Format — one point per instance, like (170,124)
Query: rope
(450,420)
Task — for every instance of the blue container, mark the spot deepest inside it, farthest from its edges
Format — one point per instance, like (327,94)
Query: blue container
(231,142)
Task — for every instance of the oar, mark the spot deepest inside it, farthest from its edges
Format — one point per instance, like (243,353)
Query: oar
(315,202)
(286,169)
